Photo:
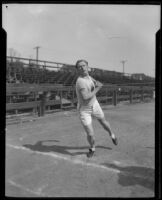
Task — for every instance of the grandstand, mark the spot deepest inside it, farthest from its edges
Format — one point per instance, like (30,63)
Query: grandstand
(24,70)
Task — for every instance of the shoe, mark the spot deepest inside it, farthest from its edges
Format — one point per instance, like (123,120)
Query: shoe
(90,153)
(115,140)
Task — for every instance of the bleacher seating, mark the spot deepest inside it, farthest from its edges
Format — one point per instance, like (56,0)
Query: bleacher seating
(19,72)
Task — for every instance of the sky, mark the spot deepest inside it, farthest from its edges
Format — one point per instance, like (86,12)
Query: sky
(104,35)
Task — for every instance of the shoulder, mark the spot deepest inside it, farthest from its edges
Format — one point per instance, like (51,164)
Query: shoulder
(80,82)
(92,79)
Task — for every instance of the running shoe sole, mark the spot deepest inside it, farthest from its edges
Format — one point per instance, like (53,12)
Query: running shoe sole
(115,141)
(90,153)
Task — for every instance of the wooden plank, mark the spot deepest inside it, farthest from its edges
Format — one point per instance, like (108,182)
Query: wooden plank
(35,88)
(23,105)
(53,102)
(52,87)
(17,91)
(123,97)
(103,98)
(120,97)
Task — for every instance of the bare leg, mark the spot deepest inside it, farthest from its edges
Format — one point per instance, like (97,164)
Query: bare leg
(105,124)
(90,135)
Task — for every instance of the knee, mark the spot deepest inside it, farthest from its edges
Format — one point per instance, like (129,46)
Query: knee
(102,121)
(89,131)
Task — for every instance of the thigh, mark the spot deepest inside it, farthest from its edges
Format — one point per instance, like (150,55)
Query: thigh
(85,116)
(97,111)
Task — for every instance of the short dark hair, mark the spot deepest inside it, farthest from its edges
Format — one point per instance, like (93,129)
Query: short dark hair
(76,65)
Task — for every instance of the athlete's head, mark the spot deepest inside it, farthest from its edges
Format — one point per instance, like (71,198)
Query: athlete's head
(81,61)
(82,67)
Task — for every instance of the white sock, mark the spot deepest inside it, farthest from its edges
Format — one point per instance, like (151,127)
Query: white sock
(113,135)
(93,148)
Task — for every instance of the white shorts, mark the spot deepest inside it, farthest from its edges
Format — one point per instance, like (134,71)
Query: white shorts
(86,113)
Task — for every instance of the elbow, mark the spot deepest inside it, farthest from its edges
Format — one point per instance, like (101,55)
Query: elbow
(86,97)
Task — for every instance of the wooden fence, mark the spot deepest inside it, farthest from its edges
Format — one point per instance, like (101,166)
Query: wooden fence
(40,99)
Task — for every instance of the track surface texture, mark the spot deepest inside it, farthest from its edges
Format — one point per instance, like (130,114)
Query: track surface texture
(46,157)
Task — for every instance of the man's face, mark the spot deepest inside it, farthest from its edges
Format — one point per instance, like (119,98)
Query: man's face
(82,68)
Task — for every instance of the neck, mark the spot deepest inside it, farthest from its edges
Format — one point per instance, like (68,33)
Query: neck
(84,75)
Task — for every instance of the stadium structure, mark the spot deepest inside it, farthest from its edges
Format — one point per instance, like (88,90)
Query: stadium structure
(36,86)
(24,70)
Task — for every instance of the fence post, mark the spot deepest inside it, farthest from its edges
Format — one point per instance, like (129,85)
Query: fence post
(142,94)
(131,95)
(115,97)
(106,95)
(33,110)
(42,103)
(112,97)
(74,96)
(71,96)
(61,106)
(152,94)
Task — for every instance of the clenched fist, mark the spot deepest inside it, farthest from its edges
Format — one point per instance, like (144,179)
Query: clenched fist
(99,84)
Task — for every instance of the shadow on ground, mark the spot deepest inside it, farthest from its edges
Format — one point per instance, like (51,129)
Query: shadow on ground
(150,147)
(39,146)
(135,175)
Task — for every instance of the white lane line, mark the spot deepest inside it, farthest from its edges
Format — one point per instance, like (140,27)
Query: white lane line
(60,157)
(38,192)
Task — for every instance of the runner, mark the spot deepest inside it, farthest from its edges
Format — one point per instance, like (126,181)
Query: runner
(88,105)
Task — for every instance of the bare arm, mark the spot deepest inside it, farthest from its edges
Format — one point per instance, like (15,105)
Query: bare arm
(93,80)
(96,83)
(88,95)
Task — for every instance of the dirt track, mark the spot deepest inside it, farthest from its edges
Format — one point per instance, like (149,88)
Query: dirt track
(46,157)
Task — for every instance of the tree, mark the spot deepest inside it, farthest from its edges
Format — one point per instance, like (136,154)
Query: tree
(13,53)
